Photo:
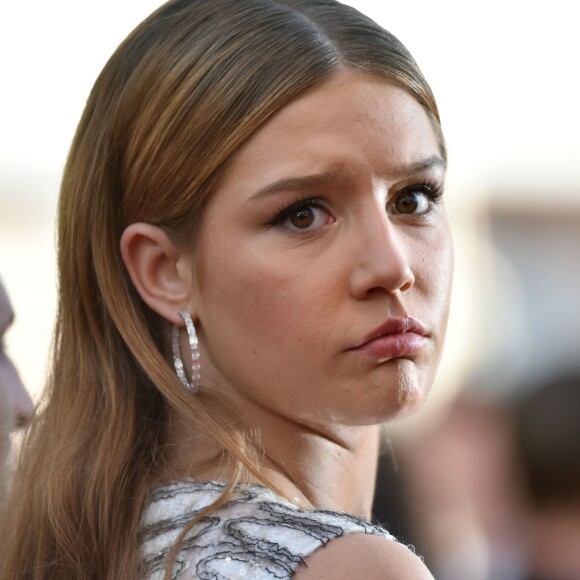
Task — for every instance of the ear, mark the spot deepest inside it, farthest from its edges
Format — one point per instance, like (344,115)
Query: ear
(161,273)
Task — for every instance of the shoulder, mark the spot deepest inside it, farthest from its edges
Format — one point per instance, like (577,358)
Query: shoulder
(259,535)
(363,556)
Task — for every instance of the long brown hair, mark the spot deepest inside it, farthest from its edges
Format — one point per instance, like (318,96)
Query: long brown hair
(174,103)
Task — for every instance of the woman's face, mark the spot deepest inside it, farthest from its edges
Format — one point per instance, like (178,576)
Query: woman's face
(324,261)
(16,408)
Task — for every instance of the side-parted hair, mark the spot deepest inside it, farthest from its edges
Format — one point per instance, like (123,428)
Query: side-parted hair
(175,102)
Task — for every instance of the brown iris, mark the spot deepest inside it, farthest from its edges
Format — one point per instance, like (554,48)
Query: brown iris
(408,202)
(302,218)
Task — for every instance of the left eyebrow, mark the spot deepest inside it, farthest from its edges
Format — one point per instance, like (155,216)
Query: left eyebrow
(412,169)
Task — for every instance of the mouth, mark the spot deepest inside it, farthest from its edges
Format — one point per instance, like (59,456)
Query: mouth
(397,337)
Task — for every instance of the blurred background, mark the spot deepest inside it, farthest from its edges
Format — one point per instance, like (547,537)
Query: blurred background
(505,75)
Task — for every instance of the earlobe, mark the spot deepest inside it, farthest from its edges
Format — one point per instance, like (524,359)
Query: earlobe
(160,272)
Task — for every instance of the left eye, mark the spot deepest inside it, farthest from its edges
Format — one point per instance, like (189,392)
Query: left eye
(416,201)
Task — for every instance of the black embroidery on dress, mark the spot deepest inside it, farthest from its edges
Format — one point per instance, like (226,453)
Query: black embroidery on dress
(244,530)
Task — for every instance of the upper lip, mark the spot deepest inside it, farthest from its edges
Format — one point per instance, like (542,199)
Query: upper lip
(394,326)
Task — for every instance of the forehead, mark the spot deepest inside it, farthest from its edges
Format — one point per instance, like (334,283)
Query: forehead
(354,119)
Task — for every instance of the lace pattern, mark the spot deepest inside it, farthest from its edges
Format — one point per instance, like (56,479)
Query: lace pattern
(256,535)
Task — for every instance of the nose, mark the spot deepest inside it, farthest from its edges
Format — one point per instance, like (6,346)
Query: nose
(382,261)
(23,407)
(20,405)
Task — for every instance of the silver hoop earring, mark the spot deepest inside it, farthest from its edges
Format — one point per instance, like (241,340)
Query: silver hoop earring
(193,386)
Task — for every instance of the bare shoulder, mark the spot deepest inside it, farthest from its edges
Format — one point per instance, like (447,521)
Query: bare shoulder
(363,556)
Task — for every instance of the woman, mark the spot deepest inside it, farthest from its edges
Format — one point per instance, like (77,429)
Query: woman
(254,274)
(16,409)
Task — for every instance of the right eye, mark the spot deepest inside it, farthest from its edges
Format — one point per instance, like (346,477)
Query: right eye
(304,216)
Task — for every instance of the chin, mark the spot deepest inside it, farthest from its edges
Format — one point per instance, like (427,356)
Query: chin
(410,403)
(406,401)
(409,394)
(413,390)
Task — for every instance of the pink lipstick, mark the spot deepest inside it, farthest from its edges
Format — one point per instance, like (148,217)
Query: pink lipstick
(398,337)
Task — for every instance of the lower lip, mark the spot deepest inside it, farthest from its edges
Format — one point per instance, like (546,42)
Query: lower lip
(394,345)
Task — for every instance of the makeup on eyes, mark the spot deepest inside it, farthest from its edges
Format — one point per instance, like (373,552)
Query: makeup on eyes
(297,205)
(431,191)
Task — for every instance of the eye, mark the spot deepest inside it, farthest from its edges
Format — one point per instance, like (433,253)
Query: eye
(416,200)
(303,216)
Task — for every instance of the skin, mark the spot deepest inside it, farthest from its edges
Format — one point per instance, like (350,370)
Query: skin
(16,408)
(280,298)
(277,308)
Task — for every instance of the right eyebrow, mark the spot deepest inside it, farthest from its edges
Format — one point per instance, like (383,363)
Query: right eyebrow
(303,182)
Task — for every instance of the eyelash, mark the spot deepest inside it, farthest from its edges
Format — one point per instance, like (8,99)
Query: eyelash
(298,203)
(431,189)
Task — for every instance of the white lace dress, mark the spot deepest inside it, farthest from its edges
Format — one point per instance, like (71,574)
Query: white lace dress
(256,535)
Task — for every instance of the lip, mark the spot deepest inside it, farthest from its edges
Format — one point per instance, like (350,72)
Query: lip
(397,337)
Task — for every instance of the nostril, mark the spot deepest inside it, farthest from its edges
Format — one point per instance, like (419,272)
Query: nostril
(409,281)
(24,419)
(24,408)
(406,279)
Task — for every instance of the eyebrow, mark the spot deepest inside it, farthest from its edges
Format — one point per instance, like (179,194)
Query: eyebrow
(340,173)
(304,182)
(428,164)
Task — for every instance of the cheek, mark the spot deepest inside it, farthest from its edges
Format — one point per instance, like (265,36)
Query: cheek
(434,269)
(267,325)
(445,268)
(273,300)
(262,304)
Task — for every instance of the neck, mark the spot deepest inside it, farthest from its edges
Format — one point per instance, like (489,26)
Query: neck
(335,473)
(334,469)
